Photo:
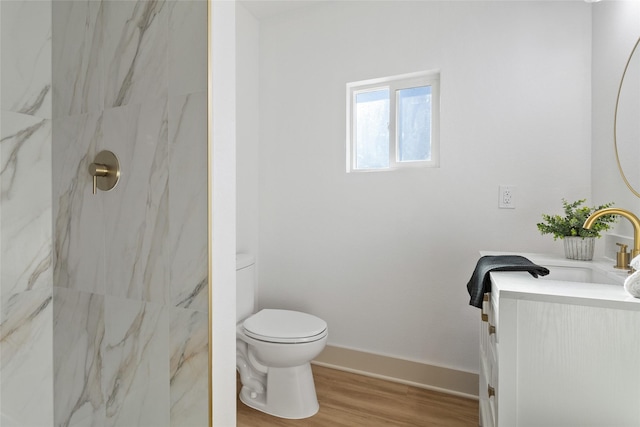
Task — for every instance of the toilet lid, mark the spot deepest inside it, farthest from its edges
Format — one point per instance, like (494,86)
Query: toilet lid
(284,326)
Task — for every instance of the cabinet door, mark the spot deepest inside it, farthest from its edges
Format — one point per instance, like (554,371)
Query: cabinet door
(488,365)
(486,411)
(577,365)
(493,390)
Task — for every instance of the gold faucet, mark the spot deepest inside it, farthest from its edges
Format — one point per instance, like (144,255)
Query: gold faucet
(624,213)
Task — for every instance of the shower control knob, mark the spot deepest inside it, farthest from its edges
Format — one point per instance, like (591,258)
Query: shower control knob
(96,170)
(105,171)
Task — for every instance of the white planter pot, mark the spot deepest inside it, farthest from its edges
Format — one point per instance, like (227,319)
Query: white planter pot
(579,248)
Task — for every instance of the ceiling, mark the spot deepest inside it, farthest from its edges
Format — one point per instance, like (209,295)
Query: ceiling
(263,9)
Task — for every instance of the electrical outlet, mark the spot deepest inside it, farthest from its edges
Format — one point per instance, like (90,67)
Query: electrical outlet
(507,194)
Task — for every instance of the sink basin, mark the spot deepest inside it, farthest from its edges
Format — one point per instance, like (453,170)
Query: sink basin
(569,274)
(561,269)
(582,274)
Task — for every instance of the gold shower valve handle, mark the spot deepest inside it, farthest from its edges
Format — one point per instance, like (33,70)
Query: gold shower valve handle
(96,170)
(105,171)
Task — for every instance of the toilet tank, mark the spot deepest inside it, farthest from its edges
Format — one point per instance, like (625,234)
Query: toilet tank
(245,286)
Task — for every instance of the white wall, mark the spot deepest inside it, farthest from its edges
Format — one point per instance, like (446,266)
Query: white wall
(248,123)
(384,257)
(616,28)
(222,196)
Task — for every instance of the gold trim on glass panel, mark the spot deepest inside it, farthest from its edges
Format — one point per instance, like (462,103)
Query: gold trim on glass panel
(209,213)
(615,122)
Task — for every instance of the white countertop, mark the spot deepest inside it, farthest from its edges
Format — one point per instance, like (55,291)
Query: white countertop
(522,285)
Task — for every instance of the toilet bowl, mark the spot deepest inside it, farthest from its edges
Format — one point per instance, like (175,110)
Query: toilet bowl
(274,349)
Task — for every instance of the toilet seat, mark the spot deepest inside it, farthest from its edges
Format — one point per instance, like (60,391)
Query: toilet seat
(284,326)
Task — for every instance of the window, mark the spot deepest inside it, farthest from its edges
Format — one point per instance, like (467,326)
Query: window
(392,122)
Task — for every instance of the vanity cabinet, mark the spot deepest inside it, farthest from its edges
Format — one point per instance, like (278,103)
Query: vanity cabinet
(558,354)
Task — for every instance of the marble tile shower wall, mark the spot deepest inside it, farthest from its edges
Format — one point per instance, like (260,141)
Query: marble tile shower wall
(26,273)
(104,310)
(130,297)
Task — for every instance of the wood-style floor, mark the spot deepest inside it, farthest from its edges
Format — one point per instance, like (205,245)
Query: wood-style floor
(352,400)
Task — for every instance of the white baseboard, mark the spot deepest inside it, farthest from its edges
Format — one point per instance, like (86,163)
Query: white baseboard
(446,380)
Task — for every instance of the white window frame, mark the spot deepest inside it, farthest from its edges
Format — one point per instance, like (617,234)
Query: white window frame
(395,83)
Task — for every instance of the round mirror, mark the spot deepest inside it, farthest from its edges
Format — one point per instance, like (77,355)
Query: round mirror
(626,128)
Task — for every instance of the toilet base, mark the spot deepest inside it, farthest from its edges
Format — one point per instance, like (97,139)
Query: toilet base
(290,393)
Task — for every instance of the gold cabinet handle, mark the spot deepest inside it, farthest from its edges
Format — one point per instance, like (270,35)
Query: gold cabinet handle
(491,391)
(484,316)
(105,171)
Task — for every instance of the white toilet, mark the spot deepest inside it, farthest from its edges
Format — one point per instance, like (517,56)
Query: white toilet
(273,351)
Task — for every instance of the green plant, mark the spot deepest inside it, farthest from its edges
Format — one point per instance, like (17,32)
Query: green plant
(571,224)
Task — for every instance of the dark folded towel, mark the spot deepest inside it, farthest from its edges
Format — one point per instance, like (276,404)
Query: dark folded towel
(481,282)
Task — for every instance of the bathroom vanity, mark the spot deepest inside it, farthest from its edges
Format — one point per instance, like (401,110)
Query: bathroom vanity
(563,350)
